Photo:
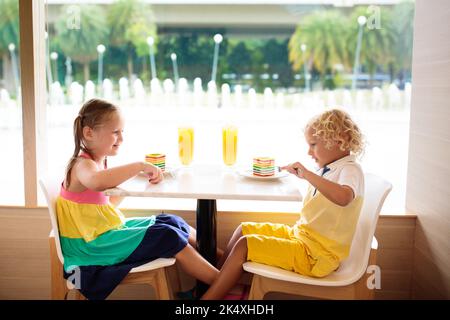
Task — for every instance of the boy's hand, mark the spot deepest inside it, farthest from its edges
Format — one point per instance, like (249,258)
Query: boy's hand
(154,173)
(296,168)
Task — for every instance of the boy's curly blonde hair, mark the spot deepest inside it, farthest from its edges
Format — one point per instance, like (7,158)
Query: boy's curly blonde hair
(336,126)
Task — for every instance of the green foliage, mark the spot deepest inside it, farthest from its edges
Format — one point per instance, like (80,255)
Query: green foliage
(9,24)
(331,39)
(194,49)
(131,22)
(330,35)
(402,21)
(240,59)
(275,57)
(138,33)
(323,33)
(377,40)
(81,44)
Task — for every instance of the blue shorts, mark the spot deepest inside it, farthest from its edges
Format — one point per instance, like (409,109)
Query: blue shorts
(164,239)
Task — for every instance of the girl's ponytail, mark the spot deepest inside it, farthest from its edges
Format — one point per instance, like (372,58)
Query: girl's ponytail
(77,134)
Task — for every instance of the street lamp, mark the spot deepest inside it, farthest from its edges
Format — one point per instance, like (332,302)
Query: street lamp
(11,48)
(100,49)
(217,39)
(361,22)
(150,42)
(54,57)
(68,79)
(173,56)
(305,67)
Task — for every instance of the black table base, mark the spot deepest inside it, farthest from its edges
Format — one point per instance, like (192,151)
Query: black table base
(206,235)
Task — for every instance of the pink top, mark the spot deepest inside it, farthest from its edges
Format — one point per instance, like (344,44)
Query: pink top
(87,196)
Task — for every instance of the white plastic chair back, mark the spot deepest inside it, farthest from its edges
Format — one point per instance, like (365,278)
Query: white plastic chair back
(51,189)
(376,191)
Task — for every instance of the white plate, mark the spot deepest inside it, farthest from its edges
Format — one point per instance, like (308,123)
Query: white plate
(248,173)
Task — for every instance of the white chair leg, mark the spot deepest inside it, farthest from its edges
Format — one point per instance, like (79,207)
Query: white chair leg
(257,291)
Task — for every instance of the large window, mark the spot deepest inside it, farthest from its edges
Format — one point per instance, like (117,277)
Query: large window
(11,163)
(265,68)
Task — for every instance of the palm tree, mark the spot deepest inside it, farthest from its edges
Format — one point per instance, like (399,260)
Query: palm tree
(402,21)
(131,22)
(9,29)
(322,32)
(377,43)
(81,44)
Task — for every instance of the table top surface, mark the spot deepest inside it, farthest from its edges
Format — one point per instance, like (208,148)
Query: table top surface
(210,182)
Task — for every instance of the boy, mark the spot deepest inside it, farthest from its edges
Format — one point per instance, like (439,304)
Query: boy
(321,238)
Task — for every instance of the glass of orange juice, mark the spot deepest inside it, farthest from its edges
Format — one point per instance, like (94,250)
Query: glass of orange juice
(229,144)
(185,144)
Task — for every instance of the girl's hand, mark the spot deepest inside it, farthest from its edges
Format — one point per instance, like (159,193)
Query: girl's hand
(154,173)
(296,168)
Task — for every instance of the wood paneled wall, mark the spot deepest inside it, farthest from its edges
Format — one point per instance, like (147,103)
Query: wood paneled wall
(25,266)
(428,187)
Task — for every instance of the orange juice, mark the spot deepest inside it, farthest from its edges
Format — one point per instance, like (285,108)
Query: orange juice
(185,144)
(229,144)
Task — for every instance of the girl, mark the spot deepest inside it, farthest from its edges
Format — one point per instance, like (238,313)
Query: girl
(97,241)
(322,236)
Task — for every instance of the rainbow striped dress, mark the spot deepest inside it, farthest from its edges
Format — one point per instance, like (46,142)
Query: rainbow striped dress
(100,246)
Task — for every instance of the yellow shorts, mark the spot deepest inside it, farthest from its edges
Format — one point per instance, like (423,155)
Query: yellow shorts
(276,245)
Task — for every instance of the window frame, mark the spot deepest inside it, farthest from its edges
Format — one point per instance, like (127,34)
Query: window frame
(34,95)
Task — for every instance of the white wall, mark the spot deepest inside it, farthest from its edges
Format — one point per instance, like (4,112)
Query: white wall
(428,186)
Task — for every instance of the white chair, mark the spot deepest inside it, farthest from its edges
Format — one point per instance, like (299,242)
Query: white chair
(153,273)
(350,280)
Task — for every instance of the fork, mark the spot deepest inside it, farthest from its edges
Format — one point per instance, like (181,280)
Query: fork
(278,169)
(170,173)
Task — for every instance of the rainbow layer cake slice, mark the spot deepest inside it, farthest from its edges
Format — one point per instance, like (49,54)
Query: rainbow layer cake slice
(263,166)
(157,159)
